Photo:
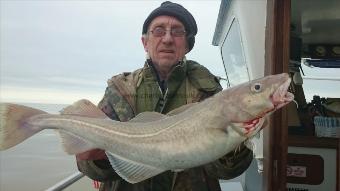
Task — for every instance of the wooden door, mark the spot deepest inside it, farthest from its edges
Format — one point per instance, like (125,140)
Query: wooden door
(277,59)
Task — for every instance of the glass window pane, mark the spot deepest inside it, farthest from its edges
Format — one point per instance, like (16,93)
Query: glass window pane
(233,56)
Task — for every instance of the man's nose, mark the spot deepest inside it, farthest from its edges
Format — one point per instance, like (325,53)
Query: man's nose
(167,37)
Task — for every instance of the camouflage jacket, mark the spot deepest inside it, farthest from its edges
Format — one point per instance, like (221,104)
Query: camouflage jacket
(128,94)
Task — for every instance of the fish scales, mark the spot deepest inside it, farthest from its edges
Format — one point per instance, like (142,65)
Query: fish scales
(145,141)
(152,143)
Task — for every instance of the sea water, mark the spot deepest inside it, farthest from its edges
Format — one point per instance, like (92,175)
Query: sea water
(37,163)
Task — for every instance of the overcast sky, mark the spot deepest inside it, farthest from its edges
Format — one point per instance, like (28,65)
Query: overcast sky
(62,51)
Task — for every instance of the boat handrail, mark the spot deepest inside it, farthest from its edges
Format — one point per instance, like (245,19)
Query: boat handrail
(66,182)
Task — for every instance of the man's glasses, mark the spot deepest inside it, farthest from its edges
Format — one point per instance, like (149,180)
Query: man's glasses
(175,32)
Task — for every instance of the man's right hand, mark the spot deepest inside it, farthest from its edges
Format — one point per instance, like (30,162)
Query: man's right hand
(94,154)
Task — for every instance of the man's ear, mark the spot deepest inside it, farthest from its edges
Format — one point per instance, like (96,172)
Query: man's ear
(187,48)
(145,42)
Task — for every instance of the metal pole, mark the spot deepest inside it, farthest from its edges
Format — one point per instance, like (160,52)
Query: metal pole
(66,182)
(321,78)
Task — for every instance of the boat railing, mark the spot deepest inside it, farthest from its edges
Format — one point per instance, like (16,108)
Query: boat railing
(66,182)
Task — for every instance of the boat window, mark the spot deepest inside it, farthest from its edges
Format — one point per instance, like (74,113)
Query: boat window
(233,56)
(323,82)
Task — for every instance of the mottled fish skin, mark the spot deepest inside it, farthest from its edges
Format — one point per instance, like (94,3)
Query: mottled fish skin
(152,143)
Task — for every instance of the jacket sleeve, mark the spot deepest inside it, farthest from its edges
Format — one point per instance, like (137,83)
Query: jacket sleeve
(100,170)
(231,165)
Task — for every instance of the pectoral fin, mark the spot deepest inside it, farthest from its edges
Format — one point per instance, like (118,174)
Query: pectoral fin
(131,171)
(249,129)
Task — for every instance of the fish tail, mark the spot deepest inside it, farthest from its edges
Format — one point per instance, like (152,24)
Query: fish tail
(14,124)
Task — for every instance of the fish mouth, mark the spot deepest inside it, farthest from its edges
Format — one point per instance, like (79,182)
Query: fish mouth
(279,98)
(282,96)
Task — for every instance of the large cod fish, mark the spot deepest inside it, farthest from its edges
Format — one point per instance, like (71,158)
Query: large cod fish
(152,143)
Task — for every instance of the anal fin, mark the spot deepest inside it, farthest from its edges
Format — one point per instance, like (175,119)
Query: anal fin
(131,171)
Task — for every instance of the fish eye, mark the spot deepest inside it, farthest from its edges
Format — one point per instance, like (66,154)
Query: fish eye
(257,87)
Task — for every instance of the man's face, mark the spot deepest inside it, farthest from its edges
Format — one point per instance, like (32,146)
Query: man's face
(165,51)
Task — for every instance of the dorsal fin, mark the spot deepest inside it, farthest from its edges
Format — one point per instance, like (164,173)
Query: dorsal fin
(181,109)
(148,116)
(73,144)
(84,108)
(131,171)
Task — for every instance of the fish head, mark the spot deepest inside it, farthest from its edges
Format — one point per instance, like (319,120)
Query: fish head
(250,102)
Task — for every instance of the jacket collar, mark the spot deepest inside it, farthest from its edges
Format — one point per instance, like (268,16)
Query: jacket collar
(175,79)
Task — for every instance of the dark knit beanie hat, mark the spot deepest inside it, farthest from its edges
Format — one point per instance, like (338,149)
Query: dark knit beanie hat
(178,11)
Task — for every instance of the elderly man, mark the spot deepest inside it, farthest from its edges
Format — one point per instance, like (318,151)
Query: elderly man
(167,81)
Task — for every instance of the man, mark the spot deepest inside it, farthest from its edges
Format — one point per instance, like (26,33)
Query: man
(167,81)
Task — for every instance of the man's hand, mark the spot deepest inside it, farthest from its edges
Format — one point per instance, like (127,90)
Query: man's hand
(94,154)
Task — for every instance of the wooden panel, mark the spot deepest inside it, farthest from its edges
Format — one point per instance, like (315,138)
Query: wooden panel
(338,169)
(319,142)
(310,141)
(305,169)
(277,59)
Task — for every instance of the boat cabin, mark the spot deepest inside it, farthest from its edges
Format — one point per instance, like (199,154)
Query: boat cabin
(301,149)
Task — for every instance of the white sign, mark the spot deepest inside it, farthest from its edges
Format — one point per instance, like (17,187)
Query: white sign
(296,171)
